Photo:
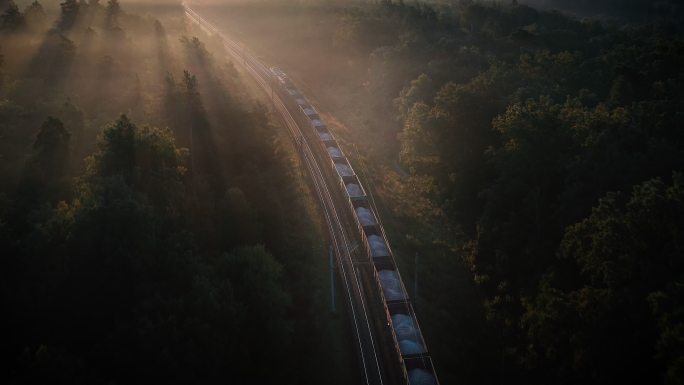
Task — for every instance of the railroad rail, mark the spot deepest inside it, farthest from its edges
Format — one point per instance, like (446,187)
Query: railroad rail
(348,213)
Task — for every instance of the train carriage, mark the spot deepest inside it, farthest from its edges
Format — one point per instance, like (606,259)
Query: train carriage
(363,215)
(280,77)
(375,243)
(318,125)
(420,371)
(390,282)
(324,135)
(309,112)
(352,188)
(406,330)
(342,168)
(333,150)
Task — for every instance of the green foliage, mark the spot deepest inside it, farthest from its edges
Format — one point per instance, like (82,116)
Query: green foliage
(128,236)
(620,275)
(418,147)
(146,159)
(52,144)
(530,164)
(11,19)
(46,174)
(256,280)
(74,118)
(420,90)
(195,50)
(147,261)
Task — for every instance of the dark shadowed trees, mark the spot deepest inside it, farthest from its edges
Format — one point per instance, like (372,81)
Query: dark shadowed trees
(619,274)
(113,11)
(46,176)
(35,17)
(11,18)
(70,9)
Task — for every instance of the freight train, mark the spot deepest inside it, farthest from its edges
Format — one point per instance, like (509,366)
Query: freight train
(409,344)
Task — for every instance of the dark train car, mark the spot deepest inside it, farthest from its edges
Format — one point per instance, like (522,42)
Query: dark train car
(420,371)
(309,112)
(333,150)
(375,243)
(351,187)
(406,330)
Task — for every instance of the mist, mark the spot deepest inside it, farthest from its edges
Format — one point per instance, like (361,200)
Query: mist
(132,129)
(172,206)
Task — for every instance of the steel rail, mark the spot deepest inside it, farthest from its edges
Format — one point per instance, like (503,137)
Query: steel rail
(334,224)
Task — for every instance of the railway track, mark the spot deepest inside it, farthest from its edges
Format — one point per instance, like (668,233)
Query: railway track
(371,358)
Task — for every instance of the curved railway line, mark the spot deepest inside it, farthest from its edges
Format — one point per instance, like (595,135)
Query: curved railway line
(384,357)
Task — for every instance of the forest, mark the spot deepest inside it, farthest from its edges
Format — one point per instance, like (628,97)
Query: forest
(642,10)
(151,225)
(532,158)
(527,158)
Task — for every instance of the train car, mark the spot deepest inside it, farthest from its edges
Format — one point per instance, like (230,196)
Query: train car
(333,150)
(318,125)
(390,282)
(352,188)
(369,229)
(406,330)
(326,139)
(324,135)
(342,168)
(281,78)
(420,371)
(310,112)
(375,244)
(407,339)
(301,101)
(293,93)
(363,215)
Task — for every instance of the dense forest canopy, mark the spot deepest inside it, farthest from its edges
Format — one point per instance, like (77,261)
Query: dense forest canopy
(630,9)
